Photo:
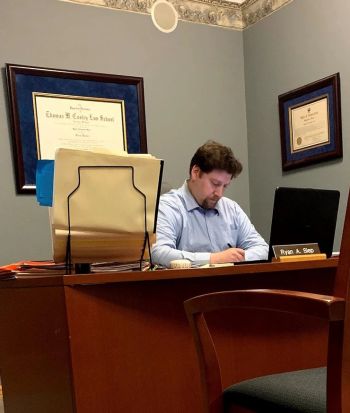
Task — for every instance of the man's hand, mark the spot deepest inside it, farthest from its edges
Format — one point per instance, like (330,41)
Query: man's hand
(229,255)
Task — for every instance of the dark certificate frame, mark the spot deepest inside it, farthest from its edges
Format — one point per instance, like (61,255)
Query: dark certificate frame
(325,92)
(22,81)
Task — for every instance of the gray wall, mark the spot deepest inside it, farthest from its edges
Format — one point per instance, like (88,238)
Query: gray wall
(303,42)
(198,82)
(194,90)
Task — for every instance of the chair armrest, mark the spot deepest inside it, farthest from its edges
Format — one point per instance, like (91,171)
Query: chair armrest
(326,307)
(308,304)
(329,308)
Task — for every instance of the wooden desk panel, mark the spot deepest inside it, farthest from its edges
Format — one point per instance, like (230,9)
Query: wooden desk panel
(129,344)
(35,365)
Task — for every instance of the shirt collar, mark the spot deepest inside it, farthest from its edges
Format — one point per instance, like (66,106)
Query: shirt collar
(191,203)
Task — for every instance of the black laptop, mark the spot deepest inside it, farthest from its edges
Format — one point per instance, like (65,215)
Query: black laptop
(304,215)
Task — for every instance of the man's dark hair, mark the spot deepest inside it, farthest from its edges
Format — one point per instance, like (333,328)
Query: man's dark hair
(213,155)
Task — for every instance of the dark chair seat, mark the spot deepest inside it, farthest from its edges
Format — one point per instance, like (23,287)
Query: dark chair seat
(296,391)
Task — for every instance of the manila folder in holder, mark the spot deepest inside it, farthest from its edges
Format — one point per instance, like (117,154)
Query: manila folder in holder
(107,203)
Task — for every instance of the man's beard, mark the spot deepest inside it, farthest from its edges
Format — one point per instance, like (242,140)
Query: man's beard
(210,203)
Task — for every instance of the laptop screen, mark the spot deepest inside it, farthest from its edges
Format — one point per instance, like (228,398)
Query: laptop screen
(304,215)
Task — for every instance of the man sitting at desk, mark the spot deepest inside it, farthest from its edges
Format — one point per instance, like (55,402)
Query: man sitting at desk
(195,222)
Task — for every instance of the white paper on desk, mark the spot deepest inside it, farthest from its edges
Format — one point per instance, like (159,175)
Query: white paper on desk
(107,214)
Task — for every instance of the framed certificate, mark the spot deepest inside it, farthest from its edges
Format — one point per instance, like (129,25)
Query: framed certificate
(75,122)
(310,123)
(53,108)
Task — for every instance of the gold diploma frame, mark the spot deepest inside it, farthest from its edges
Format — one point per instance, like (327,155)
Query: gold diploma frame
(52,108)
(310,123)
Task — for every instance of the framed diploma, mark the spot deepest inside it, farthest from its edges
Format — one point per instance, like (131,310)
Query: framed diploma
(53,108)
(310,123)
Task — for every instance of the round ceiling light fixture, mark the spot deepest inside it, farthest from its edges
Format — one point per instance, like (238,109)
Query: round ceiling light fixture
(164,16)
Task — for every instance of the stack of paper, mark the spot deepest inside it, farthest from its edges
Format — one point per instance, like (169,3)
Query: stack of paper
(6,274)
(114,267)
(105,203)
(37,267)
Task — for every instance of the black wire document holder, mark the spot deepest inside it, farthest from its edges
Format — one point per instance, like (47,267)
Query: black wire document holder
(85,267)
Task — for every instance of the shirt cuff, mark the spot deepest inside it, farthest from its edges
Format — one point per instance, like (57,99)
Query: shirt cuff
(256,254)
(197,258)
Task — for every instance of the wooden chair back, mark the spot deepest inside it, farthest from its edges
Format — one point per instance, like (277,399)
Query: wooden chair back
(334,309)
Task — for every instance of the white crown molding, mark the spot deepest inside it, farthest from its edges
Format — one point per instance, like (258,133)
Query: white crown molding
(222,13)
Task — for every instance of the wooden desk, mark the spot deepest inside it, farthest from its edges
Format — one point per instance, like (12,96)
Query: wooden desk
(113,343)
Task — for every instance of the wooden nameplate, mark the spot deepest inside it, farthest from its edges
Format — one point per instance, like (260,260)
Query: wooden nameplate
(298,252)
(301,257)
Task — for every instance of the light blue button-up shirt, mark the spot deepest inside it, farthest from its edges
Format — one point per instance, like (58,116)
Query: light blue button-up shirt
(185,230)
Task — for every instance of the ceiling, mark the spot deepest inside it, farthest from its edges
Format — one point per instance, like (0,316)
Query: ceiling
(230,14)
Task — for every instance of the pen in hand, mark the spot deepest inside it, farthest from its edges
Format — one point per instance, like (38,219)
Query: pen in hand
(238,253)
